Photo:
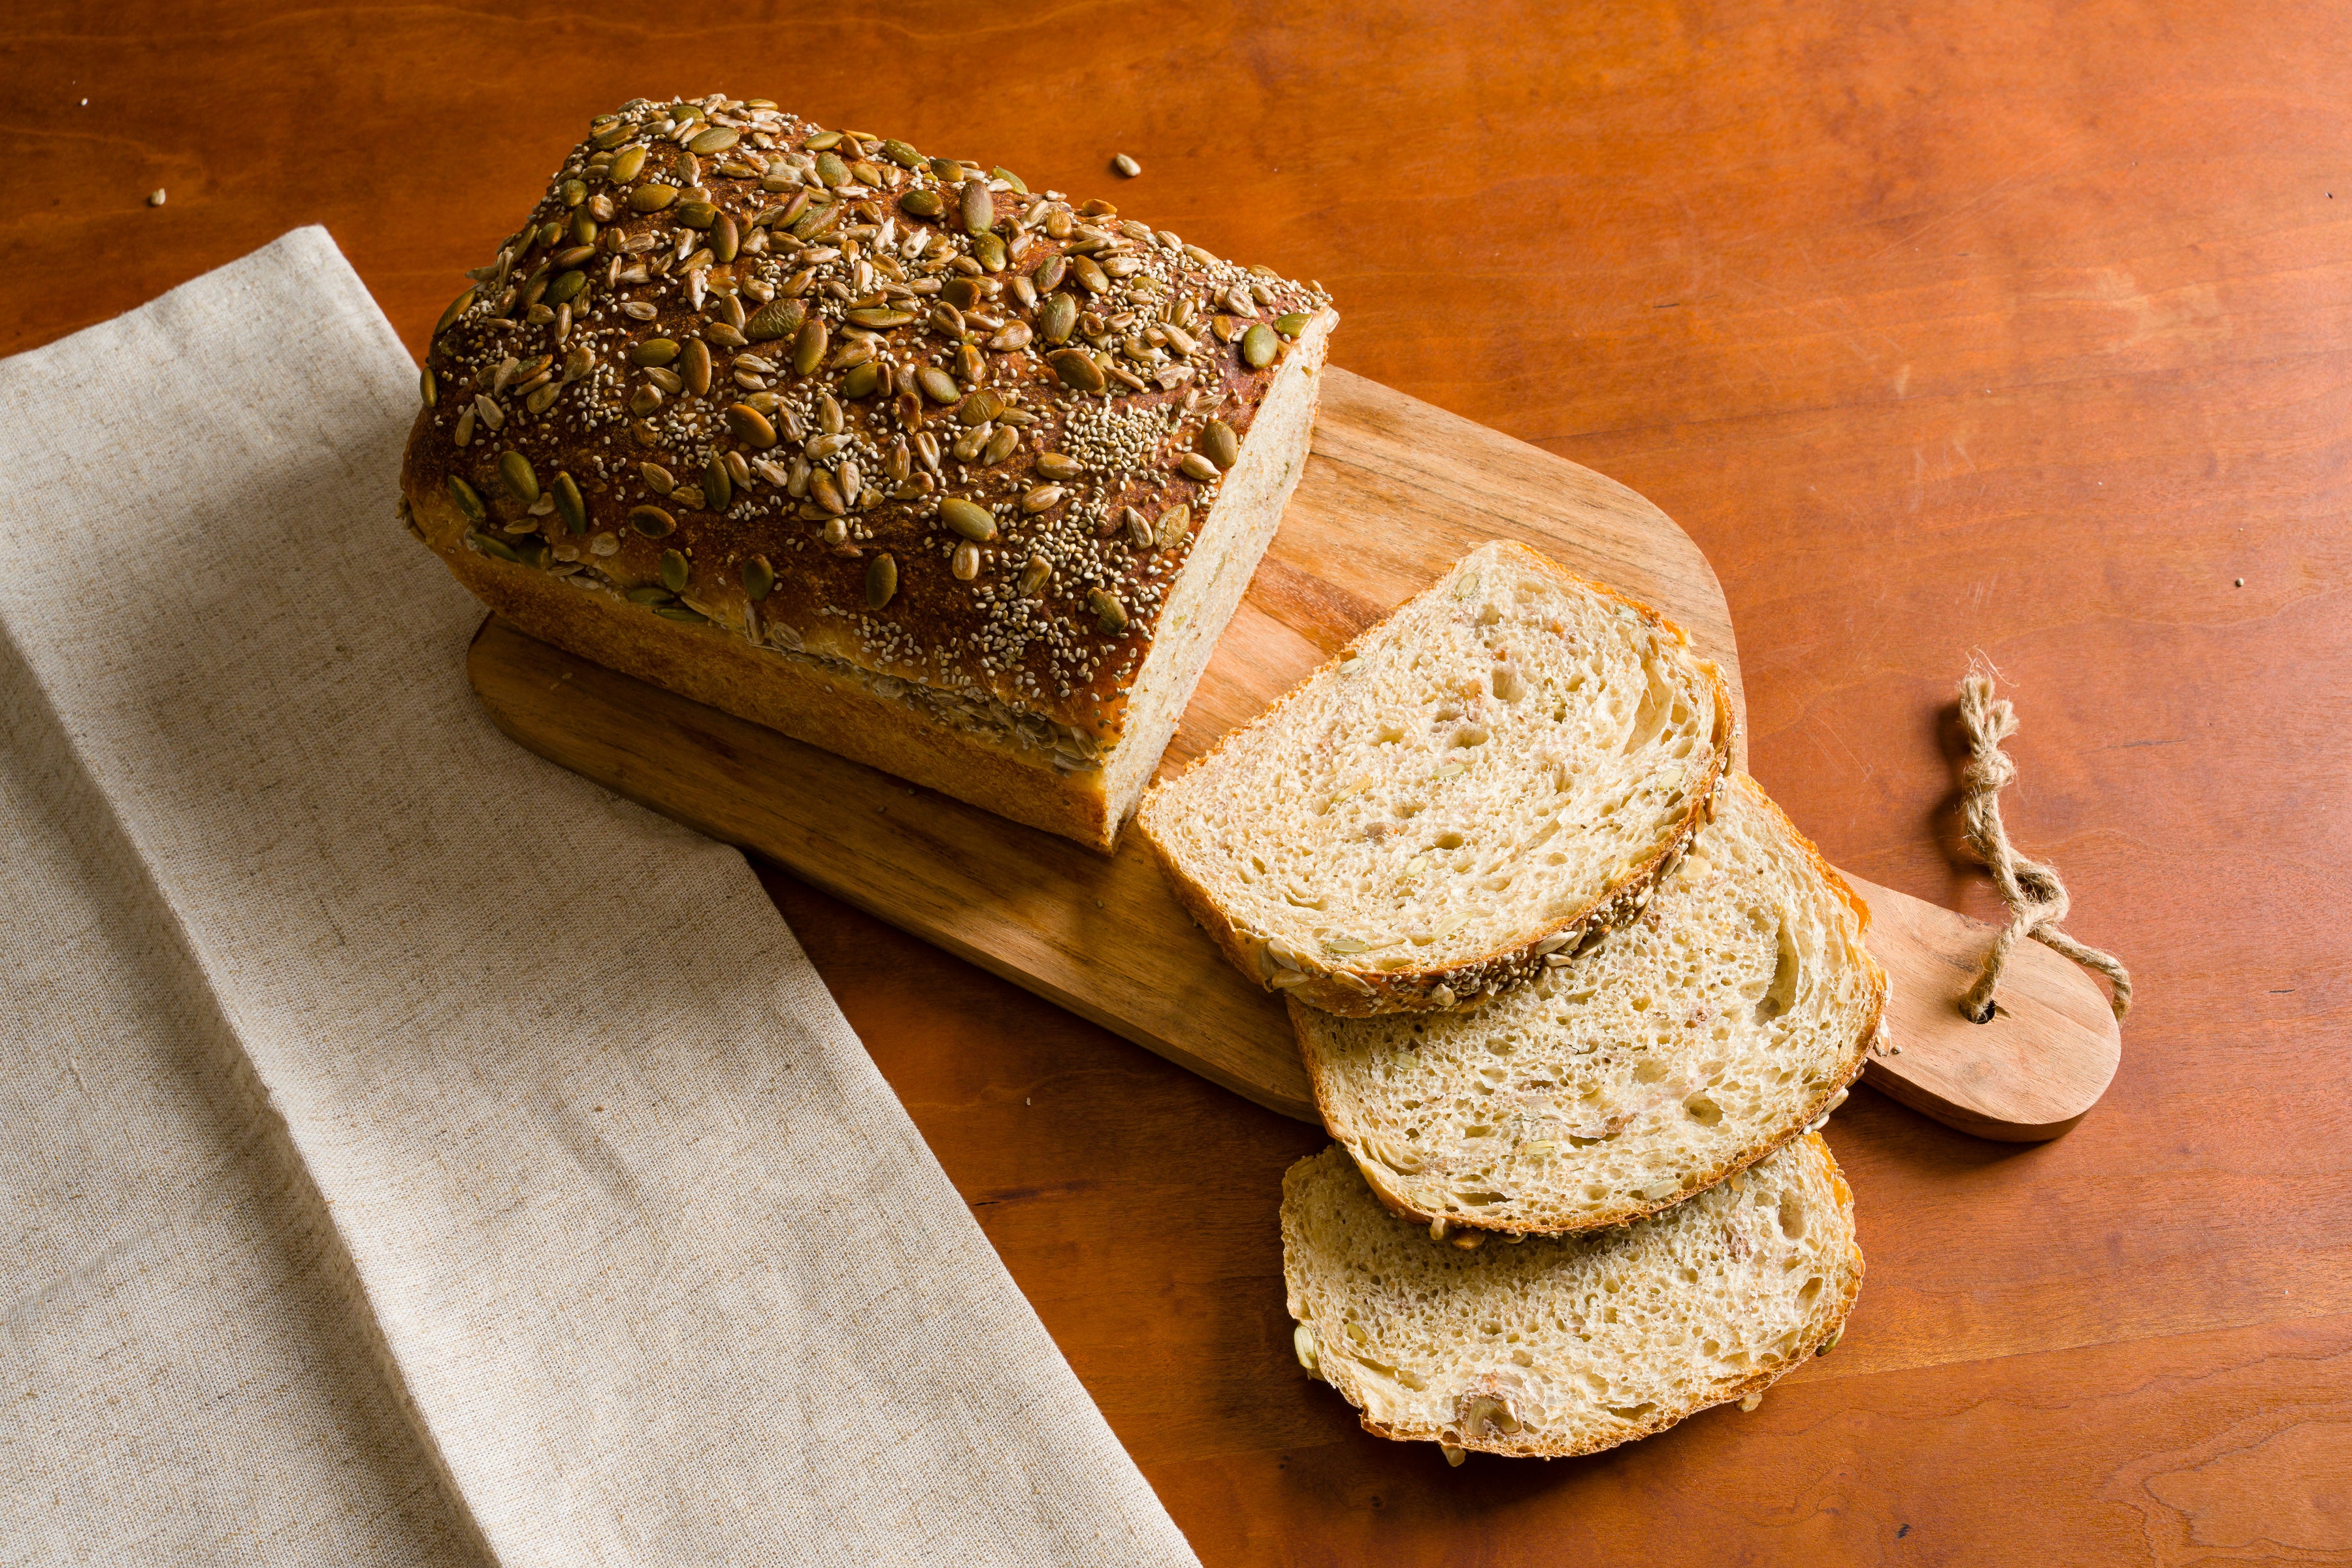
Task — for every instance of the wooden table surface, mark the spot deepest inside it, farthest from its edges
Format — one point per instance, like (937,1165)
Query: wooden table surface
(2014,332)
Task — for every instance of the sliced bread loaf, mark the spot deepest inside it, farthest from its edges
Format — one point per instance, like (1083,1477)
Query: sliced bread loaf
(1651,1066)
(1565,1345)
(1490,774)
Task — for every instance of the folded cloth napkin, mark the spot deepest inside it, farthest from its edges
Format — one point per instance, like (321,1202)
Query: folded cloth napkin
(413,1153)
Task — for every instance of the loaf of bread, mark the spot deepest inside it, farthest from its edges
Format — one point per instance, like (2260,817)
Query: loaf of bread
(1715,1027)
(879,449)
(1494,774)
(1554,1346)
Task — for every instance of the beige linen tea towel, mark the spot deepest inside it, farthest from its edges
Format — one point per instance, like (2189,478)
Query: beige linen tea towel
(573,1142)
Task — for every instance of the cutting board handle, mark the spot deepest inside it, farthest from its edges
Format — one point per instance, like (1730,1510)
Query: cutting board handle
(2027,1074)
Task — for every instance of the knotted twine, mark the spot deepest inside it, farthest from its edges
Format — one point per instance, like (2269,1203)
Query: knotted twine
(2036,898)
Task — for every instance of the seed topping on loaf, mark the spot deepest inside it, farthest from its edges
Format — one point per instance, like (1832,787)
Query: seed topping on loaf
(819,390)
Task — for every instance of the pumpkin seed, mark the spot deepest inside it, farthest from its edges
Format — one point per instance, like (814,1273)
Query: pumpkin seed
(973,521)
(1218,444)
(979,207)
(1048,276)
(567,286)
(900,153)
(468,501)
(1089,275)
(758,578)
(1258,347)
(515,473)
(612,135)
(694,365)
(673,571)
(938,385)
(428,387)
(1043,498)
(1057,318)
(680,613)
(696,214)
(491,544)
(1076,369)
(456,308)
(962,294)
(820,140)
(652,197)
(653,351)
(946,170)
(651,521)
(750,426)
(649,594)
(1196,467)
(1290,326)
(831,170)
(1001,445)
(925,203)
(1110,615)
(718,139)
(1174,524)
(776,318)
(863,381)
(809,345)
(726,239)
(626,164)
(1034,575)
(989,251)
(569,504)
(718,484)
(881,581)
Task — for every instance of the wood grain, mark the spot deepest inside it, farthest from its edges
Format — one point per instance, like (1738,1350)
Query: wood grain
(1394,491)
(1942,329)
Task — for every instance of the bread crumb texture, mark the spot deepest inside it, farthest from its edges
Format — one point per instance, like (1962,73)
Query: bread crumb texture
(1709,1031)
(1554,1346)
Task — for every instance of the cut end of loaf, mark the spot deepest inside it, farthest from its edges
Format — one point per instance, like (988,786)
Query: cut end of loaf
(1722,1023)
(1555,1347)
(1494,775)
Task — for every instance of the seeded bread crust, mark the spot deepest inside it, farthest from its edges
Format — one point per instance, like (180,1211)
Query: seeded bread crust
(1808,1161)
(700,418)
(1361,991)
(1322,1038)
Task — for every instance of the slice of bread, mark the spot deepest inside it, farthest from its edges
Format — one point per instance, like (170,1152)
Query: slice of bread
(1495,772)
(1726,1019)
(1554,1346)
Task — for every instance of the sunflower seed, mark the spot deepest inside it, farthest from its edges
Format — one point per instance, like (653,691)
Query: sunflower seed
(972,522)
(1014,338)
(651,520)
(881,581)
(825,490)
(1174,524)
(1089,275)
(1001,445)
(464,434)
(726,239)
(1044,498)
(638,309)
(1196,467)
(694,366)
(1034,575)
(669,380)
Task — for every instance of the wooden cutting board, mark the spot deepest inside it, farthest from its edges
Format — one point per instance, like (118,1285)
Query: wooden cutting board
(1394,491)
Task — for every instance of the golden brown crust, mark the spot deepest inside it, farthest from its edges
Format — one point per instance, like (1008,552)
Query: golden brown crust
(1361,991)
(1538,1445)
(1856,1053)
(622,350)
